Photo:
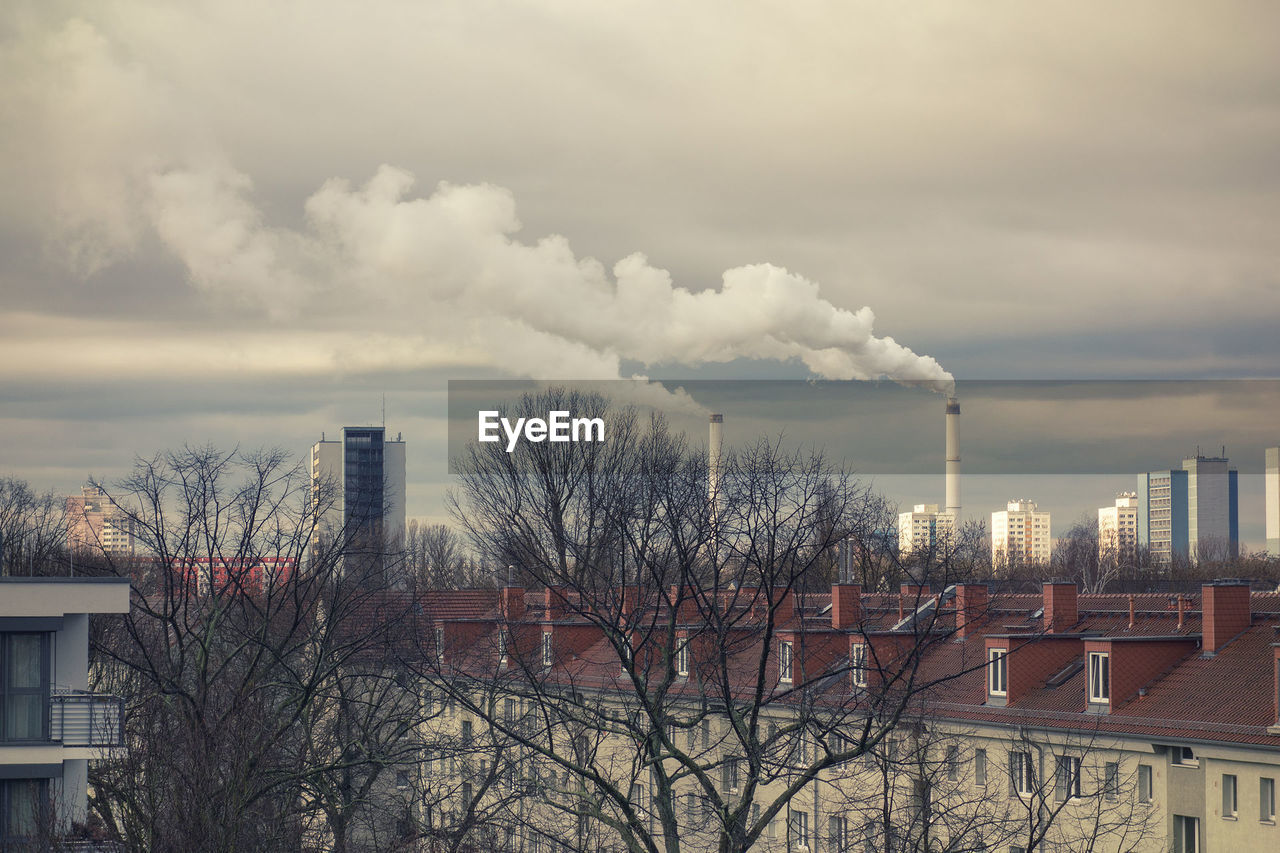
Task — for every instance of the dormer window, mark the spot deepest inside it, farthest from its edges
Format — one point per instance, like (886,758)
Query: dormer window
(784,661)
(682,657)
(998,672)
(502,647)
(858,664)
(1099,677)
(1185,756)
(546,649)
(440,643)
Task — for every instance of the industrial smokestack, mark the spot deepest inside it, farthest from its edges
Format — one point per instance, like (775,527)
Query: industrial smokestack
(953,458)
(713,456)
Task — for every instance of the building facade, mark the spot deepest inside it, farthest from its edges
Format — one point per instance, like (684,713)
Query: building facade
(94,524)
(51,727)
(924,528)
(1020,534)
(1118,528)
(1213,508)
(366,475)
(1053,721)
(1190,513)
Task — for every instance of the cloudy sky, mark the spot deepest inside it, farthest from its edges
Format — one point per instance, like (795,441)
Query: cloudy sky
(244,223)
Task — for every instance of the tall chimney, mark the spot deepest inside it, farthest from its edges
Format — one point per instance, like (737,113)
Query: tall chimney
(713,457)
(953,459)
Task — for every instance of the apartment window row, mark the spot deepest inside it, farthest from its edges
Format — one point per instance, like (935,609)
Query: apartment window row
(1231,798)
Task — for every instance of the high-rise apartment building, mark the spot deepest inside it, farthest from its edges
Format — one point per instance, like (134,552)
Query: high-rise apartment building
(1118,528)
(924,528)
(1162,514)
(1020,534)
(94,524)
(1273,500)
(1190,513)
(366,474)
(1213,508)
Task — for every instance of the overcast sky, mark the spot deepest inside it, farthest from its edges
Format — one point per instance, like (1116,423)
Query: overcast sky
(243,223)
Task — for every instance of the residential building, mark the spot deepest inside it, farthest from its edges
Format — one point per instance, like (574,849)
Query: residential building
(366,473)
(1020,534)
(1118,528)
(924,528)
(1162,515)
(1191,513)
(1272,488)
(94,524)
(51,727)
(1035,700)
(1213,508)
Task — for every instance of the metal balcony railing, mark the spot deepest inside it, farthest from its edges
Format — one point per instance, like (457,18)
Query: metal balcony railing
(77,718)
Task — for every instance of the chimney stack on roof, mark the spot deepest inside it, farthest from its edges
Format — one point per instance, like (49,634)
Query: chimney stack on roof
(971,606)
(512,603)
(1061,608)
(554,602)
(1226,611)
(846,606)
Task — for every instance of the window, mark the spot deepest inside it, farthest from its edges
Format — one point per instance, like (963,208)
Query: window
(800,828)
(980,767)
(22,809)
(1230,805)
(859,664)
(1111,780)
(729,776)
(510,711)
(1099,677)
(502,647)
(841,839)
(440,644)
(706,734)
(1021,775)
(1186,834)
(546,649)
(24,686)
(784,661)
(682,657)
(1144,783)
(466,796)
(953,763)
(998,675)
(1067,780)
(1185,756)
(1266,800)
(466,733)
(402,780)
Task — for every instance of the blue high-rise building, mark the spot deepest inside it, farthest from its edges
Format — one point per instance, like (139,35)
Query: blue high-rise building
(1191,513)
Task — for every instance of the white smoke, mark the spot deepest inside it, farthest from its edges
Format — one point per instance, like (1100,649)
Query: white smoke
(413,271)
(454,254)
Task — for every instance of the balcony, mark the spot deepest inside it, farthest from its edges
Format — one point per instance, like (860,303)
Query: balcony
(77,718)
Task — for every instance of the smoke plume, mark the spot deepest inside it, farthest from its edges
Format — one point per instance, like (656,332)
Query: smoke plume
(412,272)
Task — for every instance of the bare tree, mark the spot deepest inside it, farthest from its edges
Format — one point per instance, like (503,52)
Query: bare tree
(692,708)
(1073,792)
(33,533)
(262,707)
